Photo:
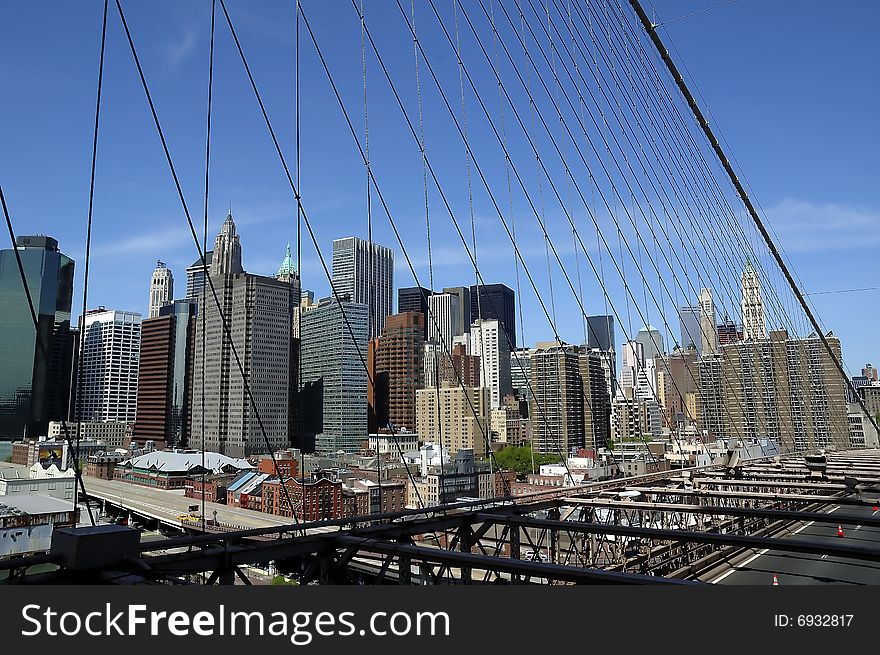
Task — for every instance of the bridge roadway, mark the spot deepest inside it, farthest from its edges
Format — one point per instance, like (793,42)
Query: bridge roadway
(802,569)
(166,506)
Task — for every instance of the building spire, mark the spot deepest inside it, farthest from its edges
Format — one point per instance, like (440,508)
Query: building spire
(286,271)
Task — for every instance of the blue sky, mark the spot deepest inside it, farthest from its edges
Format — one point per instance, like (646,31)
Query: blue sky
(791,85)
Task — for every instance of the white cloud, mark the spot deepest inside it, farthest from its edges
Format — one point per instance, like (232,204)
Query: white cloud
(176,52)
(147,242)
(805,227)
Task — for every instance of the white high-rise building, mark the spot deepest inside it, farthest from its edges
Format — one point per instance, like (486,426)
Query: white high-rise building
(444,311)
(161,288)
(754,323)
(708,328)
(109,362)
(489,343)
(632,361)
(365,275)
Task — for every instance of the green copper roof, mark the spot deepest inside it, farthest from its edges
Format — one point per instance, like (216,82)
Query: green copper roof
(286,265)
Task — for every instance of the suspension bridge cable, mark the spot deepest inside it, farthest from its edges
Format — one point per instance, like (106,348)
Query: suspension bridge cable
(88,253)
(205,237)
(223,319)
(293,187)
(745,199)
(568,216)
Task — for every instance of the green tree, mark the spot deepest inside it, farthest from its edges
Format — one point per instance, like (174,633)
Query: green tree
(519,459)
(281,580)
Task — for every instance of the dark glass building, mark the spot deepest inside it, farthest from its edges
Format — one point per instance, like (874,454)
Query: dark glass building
(600,332)
(35,368)
(495,301)
(414,299)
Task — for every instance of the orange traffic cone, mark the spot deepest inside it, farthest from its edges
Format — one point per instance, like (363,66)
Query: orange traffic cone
(775,580)
(875,508)
(840,531)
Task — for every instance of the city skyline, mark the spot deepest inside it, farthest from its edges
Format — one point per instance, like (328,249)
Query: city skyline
(136,234)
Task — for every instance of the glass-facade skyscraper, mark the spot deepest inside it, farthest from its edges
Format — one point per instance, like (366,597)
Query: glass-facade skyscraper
(35,381)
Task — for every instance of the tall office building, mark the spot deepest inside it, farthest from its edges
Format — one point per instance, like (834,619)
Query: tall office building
(161,288)
(195,276)
(495,301)
(708,328)
(600,332)
(258,315)
(455,417)
(459,368)
(464,304)
(334,380)
(521,372)
(226,257)
(414,299)
(556,409)
(728,332)
(678,386)
(399,369)
(754,323)
(109,361)
(444,316)
(164,399)
(689,323)
(781,388)
(488,343)
(595,399)
(364,273)
(37,368)
(632,361)
(652,342)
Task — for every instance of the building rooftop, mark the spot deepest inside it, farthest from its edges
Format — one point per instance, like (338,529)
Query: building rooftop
(33,504)
(182,462)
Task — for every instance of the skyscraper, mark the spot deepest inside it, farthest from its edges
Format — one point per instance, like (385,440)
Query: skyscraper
(728,331)
(399,369)
(195,276)
(258,314)
(414,299)
(161,288)
(165,376)
(226,257)
(689,322)
(495,301)
(364,273)
(781,388)
(754,323)
(464,304)
(600,332)
(595,399)
(488,343)
(708,328)
(36,372)
(521,372)
(109,359)
(444,316)
(632,361)
(652,342)
(454,417)
(334,380)
(556,408)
